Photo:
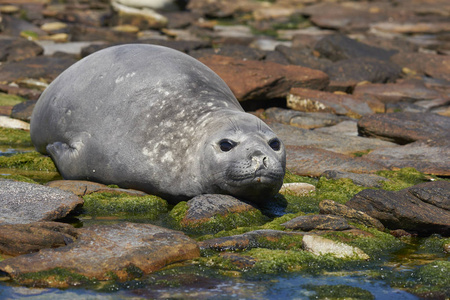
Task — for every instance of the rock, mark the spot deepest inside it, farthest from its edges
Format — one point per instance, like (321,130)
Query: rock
(303,57)
(156,4)
(74,48)
(54,27)
(305,120)
(204,207)
(16,48)
(27,93)
(404,127)
(23,111)
(243,262)
(297,189)
(24,203)
(79,14)
(293,136)
(432,65)
(83,33)
(236,51)
(322,246)
(143,17)
(338,47)
(307,161)
(81,188)
(356,70)
(123,250)
(368,180)
(248,240)
(317,101)
(349,128)
(329,207)
(221,8)
(41,67)
(263,80)
(395,92)
(411,28)
(8,122)
(317,222)
(13,26)
(21,239)
(418,209)
(426,156)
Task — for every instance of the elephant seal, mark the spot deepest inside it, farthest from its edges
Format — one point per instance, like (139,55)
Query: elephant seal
(157,120)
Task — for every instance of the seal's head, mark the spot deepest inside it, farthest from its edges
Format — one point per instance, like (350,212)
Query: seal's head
(245,158)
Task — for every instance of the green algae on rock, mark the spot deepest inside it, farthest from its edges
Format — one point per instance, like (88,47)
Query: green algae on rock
(28,161)
(403,178)
(10,100)
(56,278)
(122,205)
(15,137)
(18,177)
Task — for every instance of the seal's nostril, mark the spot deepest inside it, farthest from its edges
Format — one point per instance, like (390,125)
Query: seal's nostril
(265,161)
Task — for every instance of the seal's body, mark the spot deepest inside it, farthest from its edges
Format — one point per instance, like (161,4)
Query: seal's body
(157,120)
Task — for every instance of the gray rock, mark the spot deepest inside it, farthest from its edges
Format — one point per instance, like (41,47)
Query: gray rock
(24,203)
(15,49)
(81,188)
(352,215)
(322,246)
(306,120)
(317,222)
(368,180)
(122,250)
(349,127)
(421,208)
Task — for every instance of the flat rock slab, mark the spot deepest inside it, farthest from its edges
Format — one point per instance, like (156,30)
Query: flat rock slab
(203,207)
(18,239)
(294,136)
(321,246)
(297,188)
(395,92)
(422,208)
(349,128)
(307,161)
(368,180)
(15,48)
(405,127)
(317,222)
(305,120)
(23,203)
(82,187)
(105,250)
(250,79)
(427,156)
(333,208)
(248,240)
(433,65)
(40,67)
(307,100)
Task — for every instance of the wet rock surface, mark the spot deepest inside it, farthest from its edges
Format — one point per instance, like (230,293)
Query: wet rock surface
(121,250)
(412,209)
(317,222)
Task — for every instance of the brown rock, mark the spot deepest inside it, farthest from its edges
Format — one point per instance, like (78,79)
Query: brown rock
(78,14)
(263,80)
(395,92)
(316,101)
(81,188)
(248,240)
(41,67)
(317,222)
(308,161)
(21,239)
(404,127)
(368,180)
(100,251)
(293,136)
(435,66)
(23,111)
(85,33)
(15,49)
(30,94)
(330,207)
(412,28)
(408,210)
(305,120)
(297,188)
(243,262)
(427,156)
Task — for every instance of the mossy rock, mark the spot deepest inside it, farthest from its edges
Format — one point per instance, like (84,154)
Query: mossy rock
(15,137)
(56,278)
(10,100)
(217,222)
(17,177)
(123,205)
(28,161)
(403,178)
(289,177)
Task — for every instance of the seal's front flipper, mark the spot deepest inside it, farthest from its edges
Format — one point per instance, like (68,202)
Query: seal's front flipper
(66,157)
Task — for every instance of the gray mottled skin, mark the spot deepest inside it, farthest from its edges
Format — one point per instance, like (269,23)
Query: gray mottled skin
(151,118)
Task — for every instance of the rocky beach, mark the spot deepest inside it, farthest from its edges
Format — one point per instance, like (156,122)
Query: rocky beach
(358,92)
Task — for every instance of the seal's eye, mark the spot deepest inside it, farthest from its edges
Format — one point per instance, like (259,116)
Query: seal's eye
(275,144)
(226,145)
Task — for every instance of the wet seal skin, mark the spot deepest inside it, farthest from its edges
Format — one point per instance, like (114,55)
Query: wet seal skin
(157,120)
